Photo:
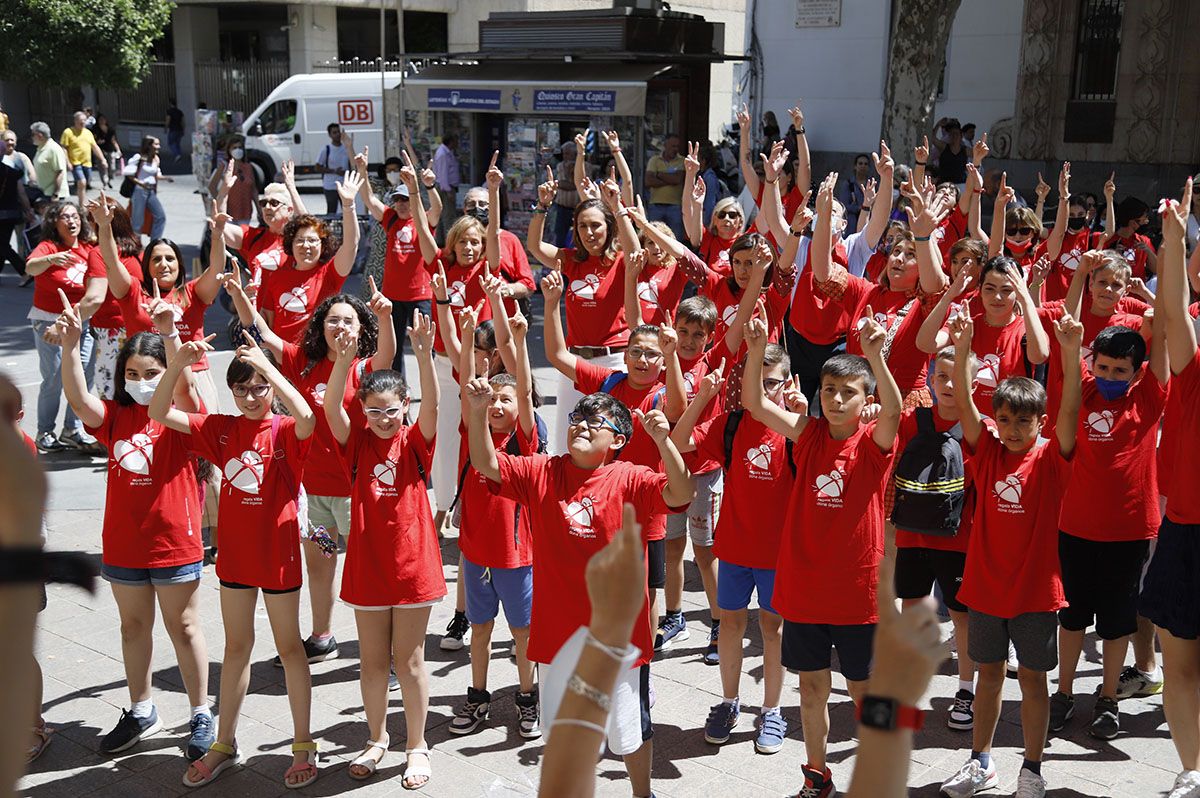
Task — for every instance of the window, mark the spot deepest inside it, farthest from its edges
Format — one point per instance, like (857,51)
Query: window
(1097,50)
(280,117)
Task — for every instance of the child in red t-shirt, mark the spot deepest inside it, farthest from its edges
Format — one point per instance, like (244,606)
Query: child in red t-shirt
(393,572)
(827,570)
(1104,537)
(261,459)
(759,478)
(1011,581)
(575,501)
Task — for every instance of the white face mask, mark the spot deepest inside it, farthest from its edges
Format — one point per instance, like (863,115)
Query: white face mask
(238,153)
(142,390)
(393,178)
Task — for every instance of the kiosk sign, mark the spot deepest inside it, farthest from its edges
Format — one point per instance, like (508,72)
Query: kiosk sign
(595,100)
(465,99)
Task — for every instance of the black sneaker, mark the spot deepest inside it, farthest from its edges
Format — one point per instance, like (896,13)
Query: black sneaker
(48,442)
(1106,720)
(962,714)
(1062,707)
(472,713)
(81,440)
(203,734)
(316,651)
(456,633)
(129,730)
(528,715)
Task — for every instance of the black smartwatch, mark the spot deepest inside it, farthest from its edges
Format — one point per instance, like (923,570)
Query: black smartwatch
(888,714)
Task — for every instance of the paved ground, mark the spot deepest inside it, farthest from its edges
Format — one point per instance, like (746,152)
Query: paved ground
(79,647)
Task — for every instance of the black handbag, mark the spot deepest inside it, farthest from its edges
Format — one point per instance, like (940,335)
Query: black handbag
(127,186)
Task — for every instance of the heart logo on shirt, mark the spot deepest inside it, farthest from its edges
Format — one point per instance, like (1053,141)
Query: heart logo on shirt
(1100,423)
(245,472)
(830,484)
(1071,261)
(689,384)
(294,300)
(728,315)
(1009,489)
(456,292)
(989,371)
(881,318)
(405,235)
(760,457)
(385,473)
(270,260)
(134,455)
(580,513)
(723,256)
(76,272)
(586,288)
(318,393)
(648,292)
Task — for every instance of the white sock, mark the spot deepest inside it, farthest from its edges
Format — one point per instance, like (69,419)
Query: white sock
(1155,674)
(770,711)
(142,709)
(967,684)
(729,701)
(203,709)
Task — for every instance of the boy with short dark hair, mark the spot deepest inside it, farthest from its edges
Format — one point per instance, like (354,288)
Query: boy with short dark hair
(1011,583)
(833,536)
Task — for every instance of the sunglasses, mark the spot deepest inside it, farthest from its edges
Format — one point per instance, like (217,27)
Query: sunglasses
(593,423)
(272,203)
(729,215)
(376,413)
(1024,231)
(242,391)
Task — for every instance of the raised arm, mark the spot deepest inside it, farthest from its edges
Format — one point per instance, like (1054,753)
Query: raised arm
(1088,263)
(786,423)
(881,210)
(803,159)
(249,316)
(523,373)
(288,169)
(373,204)
(556,345)
(932,336)
(87,406)
(1159,363)
(546,254)
(668,244)
(1004,195)
(253,355)
(579,168)
(771,207)
(1070,339)
(1037,342)
(623,170)
(385,348)
(1110,208)
(634,264)
(161,408)
(675,400)
(974,190)
(680,488)
(708,389)
(433,212)
(482,450)
(961,331)
(872,337)
(920,161)
(693,195)
(610,194)
(335,390)
(347,187)
(1055,241)
(751,302)
(924,216)
(1041,191)
(429,247)
(1173,288)
(745,158)
(421,335)
(209,282)
(820,250)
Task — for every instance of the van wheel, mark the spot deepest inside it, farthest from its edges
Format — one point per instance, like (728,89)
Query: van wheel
(264,171)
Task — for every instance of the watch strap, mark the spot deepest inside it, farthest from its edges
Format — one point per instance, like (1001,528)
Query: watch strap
(902,717)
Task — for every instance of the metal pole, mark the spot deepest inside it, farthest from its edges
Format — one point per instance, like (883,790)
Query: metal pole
(383,75)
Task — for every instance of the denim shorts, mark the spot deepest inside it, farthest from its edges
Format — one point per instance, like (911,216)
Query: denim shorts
(81,173)
(488,588)
(138,577)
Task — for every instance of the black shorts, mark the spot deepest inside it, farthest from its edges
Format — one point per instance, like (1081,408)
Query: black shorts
(807,359)
(1100,581)
(266,591)
(1171,591)
(918,568)
(809,647)
(656,564)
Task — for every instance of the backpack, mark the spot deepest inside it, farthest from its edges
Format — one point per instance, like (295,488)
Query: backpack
(617,377)
(733,420)
(513,447)
(930,480)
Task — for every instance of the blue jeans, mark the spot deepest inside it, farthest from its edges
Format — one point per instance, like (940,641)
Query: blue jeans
(143,199)
(671,214)
(51,390)
(174,142)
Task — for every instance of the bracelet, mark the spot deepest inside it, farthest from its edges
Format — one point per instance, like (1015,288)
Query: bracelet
(617,654)
(801,130)
(978,191)
(172,334)
(442,301)
(920,238)
(919,163)
(580,687)
(776,180)
(614,149)
(587,724)
(540,208)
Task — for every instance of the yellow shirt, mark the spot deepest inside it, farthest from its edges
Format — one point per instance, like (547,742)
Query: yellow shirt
(78,146)
(666,195)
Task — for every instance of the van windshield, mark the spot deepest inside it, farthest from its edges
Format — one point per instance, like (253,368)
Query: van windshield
(280,117)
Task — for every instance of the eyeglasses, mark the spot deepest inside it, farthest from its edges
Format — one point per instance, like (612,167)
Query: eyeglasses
(376,413)
(242,391)
(316,242)
(331,321)
(593,422)
(1012,231)
(729,215)
(637,353)
(770,384)
(272,202)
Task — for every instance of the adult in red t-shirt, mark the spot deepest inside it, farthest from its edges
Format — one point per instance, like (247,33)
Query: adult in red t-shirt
(150,541)
(262,247)
(653,282)
(1016,232)
(260,457)
(712,237)
(115,233)
(60,262)
(1132,216)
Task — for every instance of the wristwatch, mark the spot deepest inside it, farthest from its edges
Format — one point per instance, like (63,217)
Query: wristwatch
(887,714)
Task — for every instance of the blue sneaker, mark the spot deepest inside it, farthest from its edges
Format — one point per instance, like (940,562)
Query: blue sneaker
(711,656)
(672,628)
(721,720)
(203,735)
(772,728)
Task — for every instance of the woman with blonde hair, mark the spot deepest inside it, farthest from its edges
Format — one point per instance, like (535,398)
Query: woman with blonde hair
(725,224)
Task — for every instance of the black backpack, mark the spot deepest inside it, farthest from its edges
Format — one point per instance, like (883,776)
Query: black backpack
(733,420)
(930,480)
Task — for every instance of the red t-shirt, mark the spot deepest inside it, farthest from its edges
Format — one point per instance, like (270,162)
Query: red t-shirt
(594,295)
(493,530)
(693,373)
(1062,269)
(757,486)
(818,317)
(462,290)
(833,535)
(263,252)
(714,251)
(726,294)
(659,289)
(189,314)
(1183,500)
(915,540)
(71,277)
(260,482)
(392,555)
(514,265)
(405,278)
(950,231)
(323,473)
(152,503)
(1131,249)
(292,296)
(1000,354)
(1112,494)
(1012,561)
(108,315)
(1027,258)
(575,512)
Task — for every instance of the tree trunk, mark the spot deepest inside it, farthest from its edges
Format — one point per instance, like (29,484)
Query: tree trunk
(920,33)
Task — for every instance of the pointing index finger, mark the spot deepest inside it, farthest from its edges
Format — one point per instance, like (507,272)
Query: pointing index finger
(66,303)
(495,155)
(371,284)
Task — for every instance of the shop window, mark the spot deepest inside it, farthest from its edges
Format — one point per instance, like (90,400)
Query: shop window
(1092,110)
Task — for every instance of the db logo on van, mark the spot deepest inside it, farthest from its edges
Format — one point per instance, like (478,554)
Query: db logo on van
(356,112)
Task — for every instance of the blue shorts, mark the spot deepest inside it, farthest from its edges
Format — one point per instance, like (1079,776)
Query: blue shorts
(81,173)
(138,577)
(735,583)
(488,588)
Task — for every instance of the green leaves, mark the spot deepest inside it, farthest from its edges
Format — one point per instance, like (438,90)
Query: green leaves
(102,43)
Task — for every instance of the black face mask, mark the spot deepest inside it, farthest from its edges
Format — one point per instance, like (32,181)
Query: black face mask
(479,213)
(1076,223)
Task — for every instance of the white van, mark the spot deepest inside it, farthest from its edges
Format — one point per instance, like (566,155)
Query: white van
(292,121)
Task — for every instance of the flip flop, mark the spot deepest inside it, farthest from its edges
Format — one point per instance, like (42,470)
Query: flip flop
(308,766)
(208,775)
(416,771)
(365,760)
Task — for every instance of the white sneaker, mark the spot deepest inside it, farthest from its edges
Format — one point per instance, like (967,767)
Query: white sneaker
(1187,785)
(1030,785)
(1011,665)
(970,779)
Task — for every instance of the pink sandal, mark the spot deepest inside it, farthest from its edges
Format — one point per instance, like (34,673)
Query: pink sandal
(308,766)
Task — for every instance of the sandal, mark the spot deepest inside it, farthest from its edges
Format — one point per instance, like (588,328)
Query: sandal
(234,758)
(35,750)
(308,766)
(365,760)
(416,771)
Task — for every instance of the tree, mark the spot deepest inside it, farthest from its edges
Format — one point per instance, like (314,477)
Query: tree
(920,34)
(102,43)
